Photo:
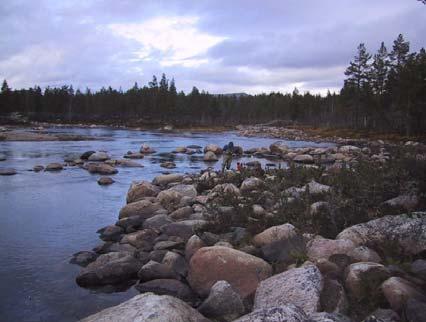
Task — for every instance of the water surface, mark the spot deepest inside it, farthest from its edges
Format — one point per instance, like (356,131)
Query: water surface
(46,217)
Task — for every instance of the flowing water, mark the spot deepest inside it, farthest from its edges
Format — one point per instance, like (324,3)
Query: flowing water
(46,217)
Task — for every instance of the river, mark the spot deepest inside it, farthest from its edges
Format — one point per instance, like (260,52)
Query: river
(46,217)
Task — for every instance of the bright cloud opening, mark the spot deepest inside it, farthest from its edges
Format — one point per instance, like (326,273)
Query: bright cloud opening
(176,39)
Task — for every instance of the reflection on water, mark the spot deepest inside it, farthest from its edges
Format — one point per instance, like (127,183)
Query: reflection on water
(46,217)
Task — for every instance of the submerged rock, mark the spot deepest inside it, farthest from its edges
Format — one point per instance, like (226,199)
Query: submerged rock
(101,168)
(98,156)
(7,172)
(104,181)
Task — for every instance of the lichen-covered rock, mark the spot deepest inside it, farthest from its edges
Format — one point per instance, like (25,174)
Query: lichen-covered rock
(223,303)
(324,248)
(284,313)
(328,317)
(398,291)
(316,188)
(149,307)
(408,232)
(299,286)
(211,264)
(140,190)
(364,279)
(418,267)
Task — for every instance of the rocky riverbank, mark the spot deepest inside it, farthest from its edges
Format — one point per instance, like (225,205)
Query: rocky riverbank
(339,235)
(39,133)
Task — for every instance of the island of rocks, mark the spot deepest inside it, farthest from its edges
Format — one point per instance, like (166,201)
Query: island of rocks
(339,235)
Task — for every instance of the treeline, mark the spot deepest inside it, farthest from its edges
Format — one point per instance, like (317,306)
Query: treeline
(384,92)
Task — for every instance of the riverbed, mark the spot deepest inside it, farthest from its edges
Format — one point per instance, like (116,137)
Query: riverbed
(45,217)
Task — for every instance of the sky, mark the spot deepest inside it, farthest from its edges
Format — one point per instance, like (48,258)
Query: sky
(219,46)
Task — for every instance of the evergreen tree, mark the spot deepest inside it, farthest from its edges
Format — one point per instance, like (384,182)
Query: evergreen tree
(153,83)
(358,72)
(380,69)
(399,52)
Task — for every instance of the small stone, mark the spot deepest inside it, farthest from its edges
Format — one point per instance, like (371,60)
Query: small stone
(103,181)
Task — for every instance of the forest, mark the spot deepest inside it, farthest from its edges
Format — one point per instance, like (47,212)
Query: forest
(384,91)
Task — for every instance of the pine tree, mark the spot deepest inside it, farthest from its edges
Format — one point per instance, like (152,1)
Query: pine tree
(399,52)
(164,84)
(380,69)
(172,87)
(359,72)
(153,83)
(5,87)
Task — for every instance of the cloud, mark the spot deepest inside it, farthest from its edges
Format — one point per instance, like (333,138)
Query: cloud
(176,38)
(219,46)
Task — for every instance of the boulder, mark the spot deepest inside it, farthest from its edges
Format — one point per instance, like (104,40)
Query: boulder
(183,229)
(211,264)
(398,291)
(303,158)
(223,303)
(210,157)
(153,270)
(182,213)
(143,208)
(104,181)
(251,184)
(165,179)
(418,268)
(38,168)
(149,307)
(83,258)
(165,286)
(186,190)
(146,149)
(157,221)
(364,279)
(274,234)
(7,172)
(86,155)
(316,188)
(129,164)
(111,233)
(324,248)
(176,262)
(170,199)
(228,189)
(285,313)
(54,167)
(406,232)
(408,202)
(278,148)
(141,239)
(140,190)
(111,268)
(349,149)
(383,315)
(168,165)
(134,155)
(414,310)
(299,286)
(193,244)
(101,168)
(364,254)
(333,297)
(328,317)
(98,156)
(213,148)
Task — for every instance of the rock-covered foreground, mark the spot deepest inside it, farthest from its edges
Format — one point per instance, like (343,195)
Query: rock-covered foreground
(214,246)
